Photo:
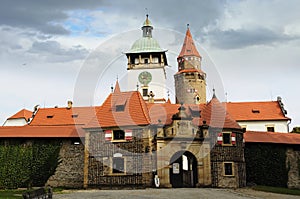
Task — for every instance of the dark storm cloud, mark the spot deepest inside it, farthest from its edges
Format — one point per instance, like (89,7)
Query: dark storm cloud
(53,51)
(40,15)
(233,39)
(175,14)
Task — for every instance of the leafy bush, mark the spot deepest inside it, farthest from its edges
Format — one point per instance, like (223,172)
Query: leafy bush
(266,164)
(26,165)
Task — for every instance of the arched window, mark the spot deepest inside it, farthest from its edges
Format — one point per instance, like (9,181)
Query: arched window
(118,165)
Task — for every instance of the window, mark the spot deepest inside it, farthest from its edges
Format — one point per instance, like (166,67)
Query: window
(50,116)
(228,169)
(136,60)
(118,135)
(270,129)
(155,60)
(146,61)
(226,138)
(118,165)
(120,108)
(255,111)
(145,92)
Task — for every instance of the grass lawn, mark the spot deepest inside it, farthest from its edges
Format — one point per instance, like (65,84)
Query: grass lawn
(280,190)
(8,194)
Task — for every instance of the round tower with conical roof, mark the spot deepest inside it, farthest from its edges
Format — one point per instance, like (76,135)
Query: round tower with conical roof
(146,65)
(190,80)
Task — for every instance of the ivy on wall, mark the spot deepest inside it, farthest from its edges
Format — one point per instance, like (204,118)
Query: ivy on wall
(27,164)
(266,164)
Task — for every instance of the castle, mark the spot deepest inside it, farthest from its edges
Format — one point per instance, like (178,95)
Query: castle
(139,139)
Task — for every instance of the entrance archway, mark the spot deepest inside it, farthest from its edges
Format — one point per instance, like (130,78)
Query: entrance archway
(183,170)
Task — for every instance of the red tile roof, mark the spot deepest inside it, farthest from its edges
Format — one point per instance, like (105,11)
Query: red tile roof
(271,137)
(215,115)
(63,116)
(41,132)
(254,111)
(162,113)
(188,47)
(26,114)
(135,111)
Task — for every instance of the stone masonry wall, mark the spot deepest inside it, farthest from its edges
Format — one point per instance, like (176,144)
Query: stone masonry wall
(293,161)
(69,172)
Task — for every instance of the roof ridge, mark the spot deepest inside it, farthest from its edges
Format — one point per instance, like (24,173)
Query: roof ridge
(144,106)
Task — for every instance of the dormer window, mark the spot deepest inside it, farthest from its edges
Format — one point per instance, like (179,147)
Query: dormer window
(50,116)
(75,116)
(120,108)
(255,111)
(120,104)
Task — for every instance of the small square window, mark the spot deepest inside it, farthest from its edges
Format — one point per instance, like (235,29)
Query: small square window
(146,61)
(226,138)
(118,165)
(120,108)
(118,135)
(228,169)
(270,129)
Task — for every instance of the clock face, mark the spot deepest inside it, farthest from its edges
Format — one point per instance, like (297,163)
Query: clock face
(145,77)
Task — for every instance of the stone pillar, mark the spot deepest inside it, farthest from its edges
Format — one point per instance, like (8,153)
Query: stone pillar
(86,160)
(207,166)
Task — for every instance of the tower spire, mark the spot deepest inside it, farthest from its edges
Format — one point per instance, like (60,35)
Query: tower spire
(147,27)
(189,47)
(190,80)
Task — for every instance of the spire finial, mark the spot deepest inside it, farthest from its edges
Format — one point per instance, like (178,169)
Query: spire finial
(214,93)
(137,86)
(188,26)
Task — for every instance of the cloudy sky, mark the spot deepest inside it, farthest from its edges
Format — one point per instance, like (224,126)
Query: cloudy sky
(45,47)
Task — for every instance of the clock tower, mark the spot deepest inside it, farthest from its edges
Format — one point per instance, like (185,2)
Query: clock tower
(146,66)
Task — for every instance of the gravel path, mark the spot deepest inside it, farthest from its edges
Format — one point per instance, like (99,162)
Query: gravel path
(171,193)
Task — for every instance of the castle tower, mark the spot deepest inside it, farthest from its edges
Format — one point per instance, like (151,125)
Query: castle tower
(190,83)
(146,66)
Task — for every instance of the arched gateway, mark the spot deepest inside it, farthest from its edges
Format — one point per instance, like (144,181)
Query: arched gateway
(183,170)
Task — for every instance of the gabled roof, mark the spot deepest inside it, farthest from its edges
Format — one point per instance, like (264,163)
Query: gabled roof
(215,115)
(271,137)
(134,113)
(41,132)
(188,47)
(26,114)
(254,111)
(63,116)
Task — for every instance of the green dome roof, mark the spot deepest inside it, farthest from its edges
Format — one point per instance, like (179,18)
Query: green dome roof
(145,44)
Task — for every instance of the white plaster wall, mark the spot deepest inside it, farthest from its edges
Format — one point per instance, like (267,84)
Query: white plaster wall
(279,126)
(157,85)
(15,122)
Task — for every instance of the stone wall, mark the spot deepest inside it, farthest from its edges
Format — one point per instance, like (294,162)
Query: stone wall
(137,158)
(293,164)
(69,172)
(232,154)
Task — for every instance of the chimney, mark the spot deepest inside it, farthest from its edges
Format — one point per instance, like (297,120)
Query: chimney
(70,103)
